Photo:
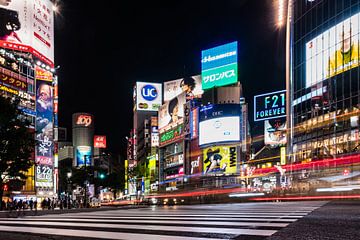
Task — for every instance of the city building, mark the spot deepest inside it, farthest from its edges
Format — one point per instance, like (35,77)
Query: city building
(324,79)
(28,72)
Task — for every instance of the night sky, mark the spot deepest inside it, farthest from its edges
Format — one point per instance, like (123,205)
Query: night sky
(104,47)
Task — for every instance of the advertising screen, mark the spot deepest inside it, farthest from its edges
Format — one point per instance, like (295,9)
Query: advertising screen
(220,160)
(224,129)
(190,85)
(82,153)
(334,51)
(44,134)
(30,23)
(99,141)
(219,65)
(172,112)
(270,105)
(148,96)
(275,132)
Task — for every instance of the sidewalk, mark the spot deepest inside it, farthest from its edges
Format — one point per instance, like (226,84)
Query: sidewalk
(335,220)
(28,212)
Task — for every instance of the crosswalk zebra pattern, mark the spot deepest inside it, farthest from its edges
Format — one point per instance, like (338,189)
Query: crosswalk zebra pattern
(217,221)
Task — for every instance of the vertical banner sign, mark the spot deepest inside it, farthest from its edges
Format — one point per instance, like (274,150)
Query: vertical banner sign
(219,66)
(283,155)
(126,176)
(187,110)
(44,134)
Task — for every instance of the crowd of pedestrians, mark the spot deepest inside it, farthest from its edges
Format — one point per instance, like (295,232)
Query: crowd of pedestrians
(45,204)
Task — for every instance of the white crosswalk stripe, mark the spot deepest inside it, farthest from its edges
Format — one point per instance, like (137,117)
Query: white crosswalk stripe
(223,221)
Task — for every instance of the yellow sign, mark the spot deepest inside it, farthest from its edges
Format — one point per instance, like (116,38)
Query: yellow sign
(126,174)
(220,160)
(283,155)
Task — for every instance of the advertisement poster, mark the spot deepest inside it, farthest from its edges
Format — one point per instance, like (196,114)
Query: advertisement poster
(220,160)
(83,152)
(31,24)
(275,132)
(172,112)
(44,134)
(191,86)
(334,51)
(148,96)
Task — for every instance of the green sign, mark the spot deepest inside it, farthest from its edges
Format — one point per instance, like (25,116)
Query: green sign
(220,76)
(171,134)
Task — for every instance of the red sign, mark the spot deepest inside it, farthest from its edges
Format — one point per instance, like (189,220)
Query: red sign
(84,120)
(100,141)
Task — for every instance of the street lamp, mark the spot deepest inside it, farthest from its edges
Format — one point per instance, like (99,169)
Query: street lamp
(68,188)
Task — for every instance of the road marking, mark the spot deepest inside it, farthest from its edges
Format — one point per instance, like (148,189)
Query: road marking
(235,231)
(96,234)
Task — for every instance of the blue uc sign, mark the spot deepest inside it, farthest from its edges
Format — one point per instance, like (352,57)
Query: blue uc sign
(149,92)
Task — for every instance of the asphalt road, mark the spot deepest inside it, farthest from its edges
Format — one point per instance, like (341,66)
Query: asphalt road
(273,220)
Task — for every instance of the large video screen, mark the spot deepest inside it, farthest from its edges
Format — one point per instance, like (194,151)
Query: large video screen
(216,130)
(334,51)
(29,23)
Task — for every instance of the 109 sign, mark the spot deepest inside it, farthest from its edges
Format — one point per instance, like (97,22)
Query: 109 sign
(270,105)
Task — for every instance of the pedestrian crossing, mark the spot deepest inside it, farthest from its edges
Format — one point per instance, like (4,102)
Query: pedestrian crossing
(218,221)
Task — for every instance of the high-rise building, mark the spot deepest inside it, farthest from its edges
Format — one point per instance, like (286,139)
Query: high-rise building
(324,79)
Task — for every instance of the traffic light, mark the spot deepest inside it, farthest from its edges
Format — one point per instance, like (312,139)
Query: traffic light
(102,176)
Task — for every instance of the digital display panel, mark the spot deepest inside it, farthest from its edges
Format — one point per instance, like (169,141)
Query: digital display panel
(82,153)
(225,129)
(334,51)
(219,66)
(270,105)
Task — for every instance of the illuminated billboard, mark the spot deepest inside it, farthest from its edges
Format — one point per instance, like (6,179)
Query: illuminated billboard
(44,134)
(191,86)
(28,23)
(171,113)
(225,129)
(219,66)
(99,141)
(148,96)
(334,51)
(270,105)
(275,132)
(220,160)
(219,123)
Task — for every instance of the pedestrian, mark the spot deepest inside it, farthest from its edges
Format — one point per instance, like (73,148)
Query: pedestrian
(35,205)
(31,204)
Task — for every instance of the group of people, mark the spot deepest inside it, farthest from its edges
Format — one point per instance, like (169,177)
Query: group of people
(45,204)
(19,205)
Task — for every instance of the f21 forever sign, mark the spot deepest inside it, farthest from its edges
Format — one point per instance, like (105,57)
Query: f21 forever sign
(270,105)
